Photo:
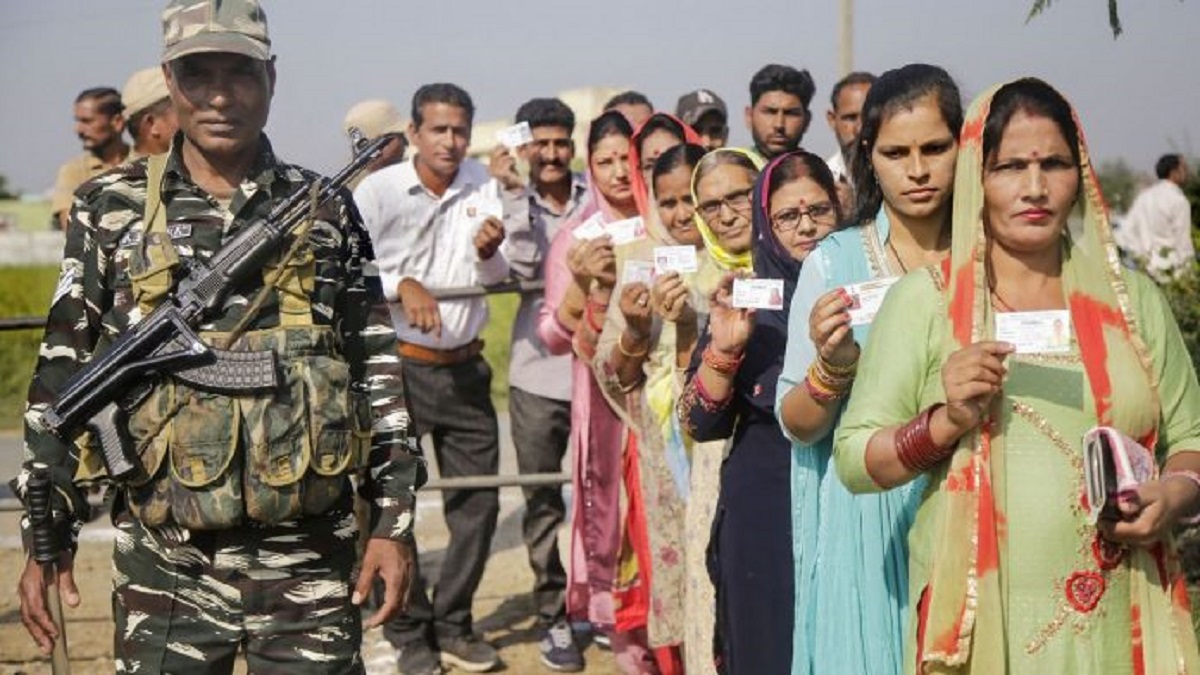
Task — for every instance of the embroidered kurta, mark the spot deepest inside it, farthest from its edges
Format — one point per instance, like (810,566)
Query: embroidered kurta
(1063,611)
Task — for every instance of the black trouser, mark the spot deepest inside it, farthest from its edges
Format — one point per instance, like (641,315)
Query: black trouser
(453,404)
(541,428)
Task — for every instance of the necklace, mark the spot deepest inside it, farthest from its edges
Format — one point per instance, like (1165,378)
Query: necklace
(899,260)
(1000,303)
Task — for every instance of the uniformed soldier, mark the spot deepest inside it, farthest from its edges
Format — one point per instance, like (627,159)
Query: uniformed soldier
(149,115)
(242,533)
(98,124)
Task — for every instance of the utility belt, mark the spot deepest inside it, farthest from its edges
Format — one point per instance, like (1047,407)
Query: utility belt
(441,357)
(213,461)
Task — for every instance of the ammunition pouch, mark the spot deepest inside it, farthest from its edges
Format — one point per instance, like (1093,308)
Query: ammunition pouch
(213,461)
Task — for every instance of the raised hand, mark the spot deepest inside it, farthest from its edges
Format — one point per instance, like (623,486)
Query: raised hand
(670,297)
(830,331)
(730,326)
(971,377)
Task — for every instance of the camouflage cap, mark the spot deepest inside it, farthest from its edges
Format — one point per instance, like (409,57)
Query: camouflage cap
(143,89)
(374,118)
(196,26)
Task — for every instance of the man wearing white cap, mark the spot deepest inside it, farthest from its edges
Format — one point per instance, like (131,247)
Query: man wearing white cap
(149,116)
(377,118)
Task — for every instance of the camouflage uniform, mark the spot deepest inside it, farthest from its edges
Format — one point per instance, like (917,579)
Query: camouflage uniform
(271,577)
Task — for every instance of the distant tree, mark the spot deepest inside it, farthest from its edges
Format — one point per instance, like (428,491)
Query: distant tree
(4,191)
(1119,183)
(1114,19)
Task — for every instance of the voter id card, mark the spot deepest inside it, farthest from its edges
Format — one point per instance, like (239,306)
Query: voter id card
(1044,332)
(681,259)
(866,298)
(758,293)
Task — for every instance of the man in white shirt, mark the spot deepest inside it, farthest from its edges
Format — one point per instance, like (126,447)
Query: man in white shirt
(1157,231)
(845,120)
(435,223)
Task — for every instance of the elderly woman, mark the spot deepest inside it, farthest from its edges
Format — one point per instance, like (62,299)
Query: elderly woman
(1008,573)
(730,393)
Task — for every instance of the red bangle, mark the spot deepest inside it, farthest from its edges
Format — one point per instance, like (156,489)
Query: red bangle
(589,315)
(706,400)
(915,446)
(818,393)
(726,365)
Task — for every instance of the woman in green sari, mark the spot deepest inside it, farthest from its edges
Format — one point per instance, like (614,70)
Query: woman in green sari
(1008,573)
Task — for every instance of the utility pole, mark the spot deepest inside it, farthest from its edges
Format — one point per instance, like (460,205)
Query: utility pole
(846,56)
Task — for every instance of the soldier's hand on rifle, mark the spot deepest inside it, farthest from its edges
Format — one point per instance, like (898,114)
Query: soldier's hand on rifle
(488,238)
(31,589)
(392,562)
(503,167)
(420,307)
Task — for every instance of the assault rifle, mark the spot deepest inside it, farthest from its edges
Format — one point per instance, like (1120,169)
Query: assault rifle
(165,341)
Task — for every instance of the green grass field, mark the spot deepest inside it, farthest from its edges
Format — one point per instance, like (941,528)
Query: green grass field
(26,216)
(26,291)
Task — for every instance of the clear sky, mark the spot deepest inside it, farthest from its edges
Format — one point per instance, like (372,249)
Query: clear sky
(1138,95)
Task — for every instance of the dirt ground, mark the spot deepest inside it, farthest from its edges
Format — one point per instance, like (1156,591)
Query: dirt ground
(503,606)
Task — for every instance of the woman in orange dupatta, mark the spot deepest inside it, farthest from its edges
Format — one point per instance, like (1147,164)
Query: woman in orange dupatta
(1008,573)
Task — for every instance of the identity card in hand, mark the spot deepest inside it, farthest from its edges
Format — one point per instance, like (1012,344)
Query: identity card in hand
(680,259)
(866,298)
(758,293)
(637,271)
(625,231)
(1044,332)
(515,136)
(482,206)
(591,228)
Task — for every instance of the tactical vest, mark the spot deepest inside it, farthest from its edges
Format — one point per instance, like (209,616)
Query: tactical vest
(214,460)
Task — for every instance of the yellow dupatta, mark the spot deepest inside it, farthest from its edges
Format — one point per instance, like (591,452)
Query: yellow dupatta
(961,623)
(724,259)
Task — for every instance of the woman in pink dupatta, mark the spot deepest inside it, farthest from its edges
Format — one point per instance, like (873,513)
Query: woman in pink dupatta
(580,275)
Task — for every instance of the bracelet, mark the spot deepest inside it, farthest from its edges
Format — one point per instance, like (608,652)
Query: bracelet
(915,446)
(706,400)
(629,354)
(836,370)
(826,386)
(589,315)
(819,392)
(1186,474)
(725,365)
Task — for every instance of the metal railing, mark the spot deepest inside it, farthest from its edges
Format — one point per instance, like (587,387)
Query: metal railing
(455,293)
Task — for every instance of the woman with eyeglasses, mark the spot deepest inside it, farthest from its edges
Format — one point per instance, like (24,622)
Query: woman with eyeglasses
(729,393)
(850,552)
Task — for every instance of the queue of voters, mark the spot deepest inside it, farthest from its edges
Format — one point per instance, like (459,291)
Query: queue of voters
(911,408)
